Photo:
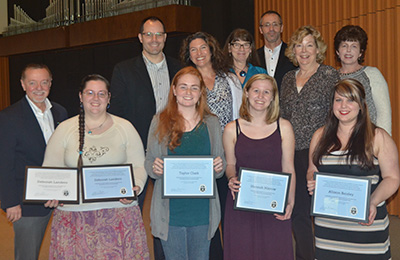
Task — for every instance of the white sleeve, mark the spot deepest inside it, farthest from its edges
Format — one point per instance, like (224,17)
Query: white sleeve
(380,95)
(135,155)
(236,89)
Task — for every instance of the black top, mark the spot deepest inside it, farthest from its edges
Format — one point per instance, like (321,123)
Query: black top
(132,95)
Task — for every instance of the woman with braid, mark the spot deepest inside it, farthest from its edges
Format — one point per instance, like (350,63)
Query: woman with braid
(101,230)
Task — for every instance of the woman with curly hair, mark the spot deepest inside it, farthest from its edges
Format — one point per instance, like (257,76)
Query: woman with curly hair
(185,128)
(224,92)
(305,99)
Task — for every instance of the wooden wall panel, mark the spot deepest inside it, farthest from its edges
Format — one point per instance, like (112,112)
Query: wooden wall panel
(4,83)
(378,18)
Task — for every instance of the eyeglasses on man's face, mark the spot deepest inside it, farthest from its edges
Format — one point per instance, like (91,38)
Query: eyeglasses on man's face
(274,25)
(151,34)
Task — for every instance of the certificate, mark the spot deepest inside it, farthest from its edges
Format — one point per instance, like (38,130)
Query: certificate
(44,183)
(107,183)
(262,191)
(341,197)
(188,177)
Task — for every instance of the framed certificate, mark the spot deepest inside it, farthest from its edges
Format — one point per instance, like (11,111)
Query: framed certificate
(341,197)
(262,191)
(45,183)
(107,183)
(188,177)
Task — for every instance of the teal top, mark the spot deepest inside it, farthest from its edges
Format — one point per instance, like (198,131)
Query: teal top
(191,212)
(253,70)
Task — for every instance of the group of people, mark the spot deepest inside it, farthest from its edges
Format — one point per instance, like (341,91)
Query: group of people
(278,108)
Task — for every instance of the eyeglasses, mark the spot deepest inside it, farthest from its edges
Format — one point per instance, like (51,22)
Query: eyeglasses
(150,34)
(43,83)
(92,94)
(237,45)
(274,25)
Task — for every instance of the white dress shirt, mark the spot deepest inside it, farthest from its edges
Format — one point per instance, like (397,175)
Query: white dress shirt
(45,119)
(271,58)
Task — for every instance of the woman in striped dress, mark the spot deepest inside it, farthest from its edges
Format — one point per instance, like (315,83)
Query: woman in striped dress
(350,144)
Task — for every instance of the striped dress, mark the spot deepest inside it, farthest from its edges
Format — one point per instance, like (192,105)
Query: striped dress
(339,239)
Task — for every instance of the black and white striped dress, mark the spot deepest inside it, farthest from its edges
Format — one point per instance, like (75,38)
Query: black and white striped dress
(338,239)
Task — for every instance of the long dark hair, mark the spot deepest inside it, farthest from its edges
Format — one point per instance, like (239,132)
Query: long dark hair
(85,80)
(360,144)
(218,60)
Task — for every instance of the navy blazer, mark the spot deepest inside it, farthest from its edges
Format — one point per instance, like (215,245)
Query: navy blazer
(22,144)
(284,65)
(132,95)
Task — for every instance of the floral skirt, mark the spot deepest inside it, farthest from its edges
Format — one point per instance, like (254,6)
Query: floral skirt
(100,234)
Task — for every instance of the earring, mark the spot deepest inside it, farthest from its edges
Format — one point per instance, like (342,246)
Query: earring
(108,105)
(81,105)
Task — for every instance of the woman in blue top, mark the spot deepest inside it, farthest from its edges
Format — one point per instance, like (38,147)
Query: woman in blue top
(241,54)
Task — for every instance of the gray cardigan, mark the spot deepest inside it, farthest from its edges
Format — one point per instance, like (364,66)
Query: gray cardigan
(159,212)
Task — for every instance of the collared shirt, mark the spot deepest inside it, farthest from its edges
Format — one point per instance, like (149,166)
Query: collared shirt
(159,76)
(45,119)
(271,58)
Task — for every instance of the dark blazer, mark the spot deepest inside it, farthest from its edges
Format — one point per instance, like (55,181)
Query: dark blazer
(22,144)
(284,65)
(132,95)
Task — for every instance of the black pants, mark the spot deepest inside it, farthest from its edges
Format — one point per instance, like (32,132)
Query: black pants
(301,219)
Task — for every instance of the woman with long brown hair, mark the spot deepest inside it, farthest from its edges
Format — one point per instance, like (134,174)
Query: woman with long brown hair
(186,128)
(350,144)
(100,230)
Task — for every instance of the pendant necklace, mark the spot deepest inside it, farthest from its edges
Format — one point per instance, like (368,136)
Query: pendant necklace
(242,73)
(98,127)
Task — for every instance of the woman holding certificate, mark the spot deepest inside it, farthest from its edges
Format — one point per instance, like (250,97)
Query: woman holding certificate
(350,144)
(263,141)
(100,230)
(185,128)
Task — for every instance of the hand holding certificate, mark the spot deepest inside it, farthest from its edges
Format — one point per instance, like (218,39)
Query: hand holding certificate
(262,191)
(341,197)
(45,183)
(188,177)
(107,183)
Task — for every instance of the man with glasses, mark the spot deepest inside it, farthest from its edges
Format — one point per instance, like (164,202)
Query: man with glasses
(26,127)
(272,54)
(140,86)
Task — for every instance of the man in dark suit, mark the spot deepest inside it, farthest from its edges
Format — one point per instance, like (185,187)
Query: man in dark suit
(26,126)
(272,54)
(140,86)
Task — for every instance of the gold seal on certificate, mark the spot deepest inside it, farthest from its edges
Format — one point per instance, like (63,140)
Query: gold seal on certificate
(341,197)
(45,183)
(188,177)
(262,191)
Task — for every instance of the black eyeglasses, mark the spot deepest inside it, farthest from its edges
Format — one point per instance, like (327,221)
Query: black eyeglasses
(237,45)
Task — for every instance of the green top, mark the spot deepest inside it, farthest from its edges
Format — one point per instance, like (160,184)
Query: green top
(191,212)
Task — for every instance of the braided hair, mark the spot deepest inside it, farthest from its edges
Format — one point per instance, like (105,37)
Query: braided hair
(85,80)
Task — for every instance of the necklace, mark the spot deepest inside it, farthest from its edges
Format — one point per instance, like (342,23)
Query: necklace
(349,73)
(98,127)
(242,73)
